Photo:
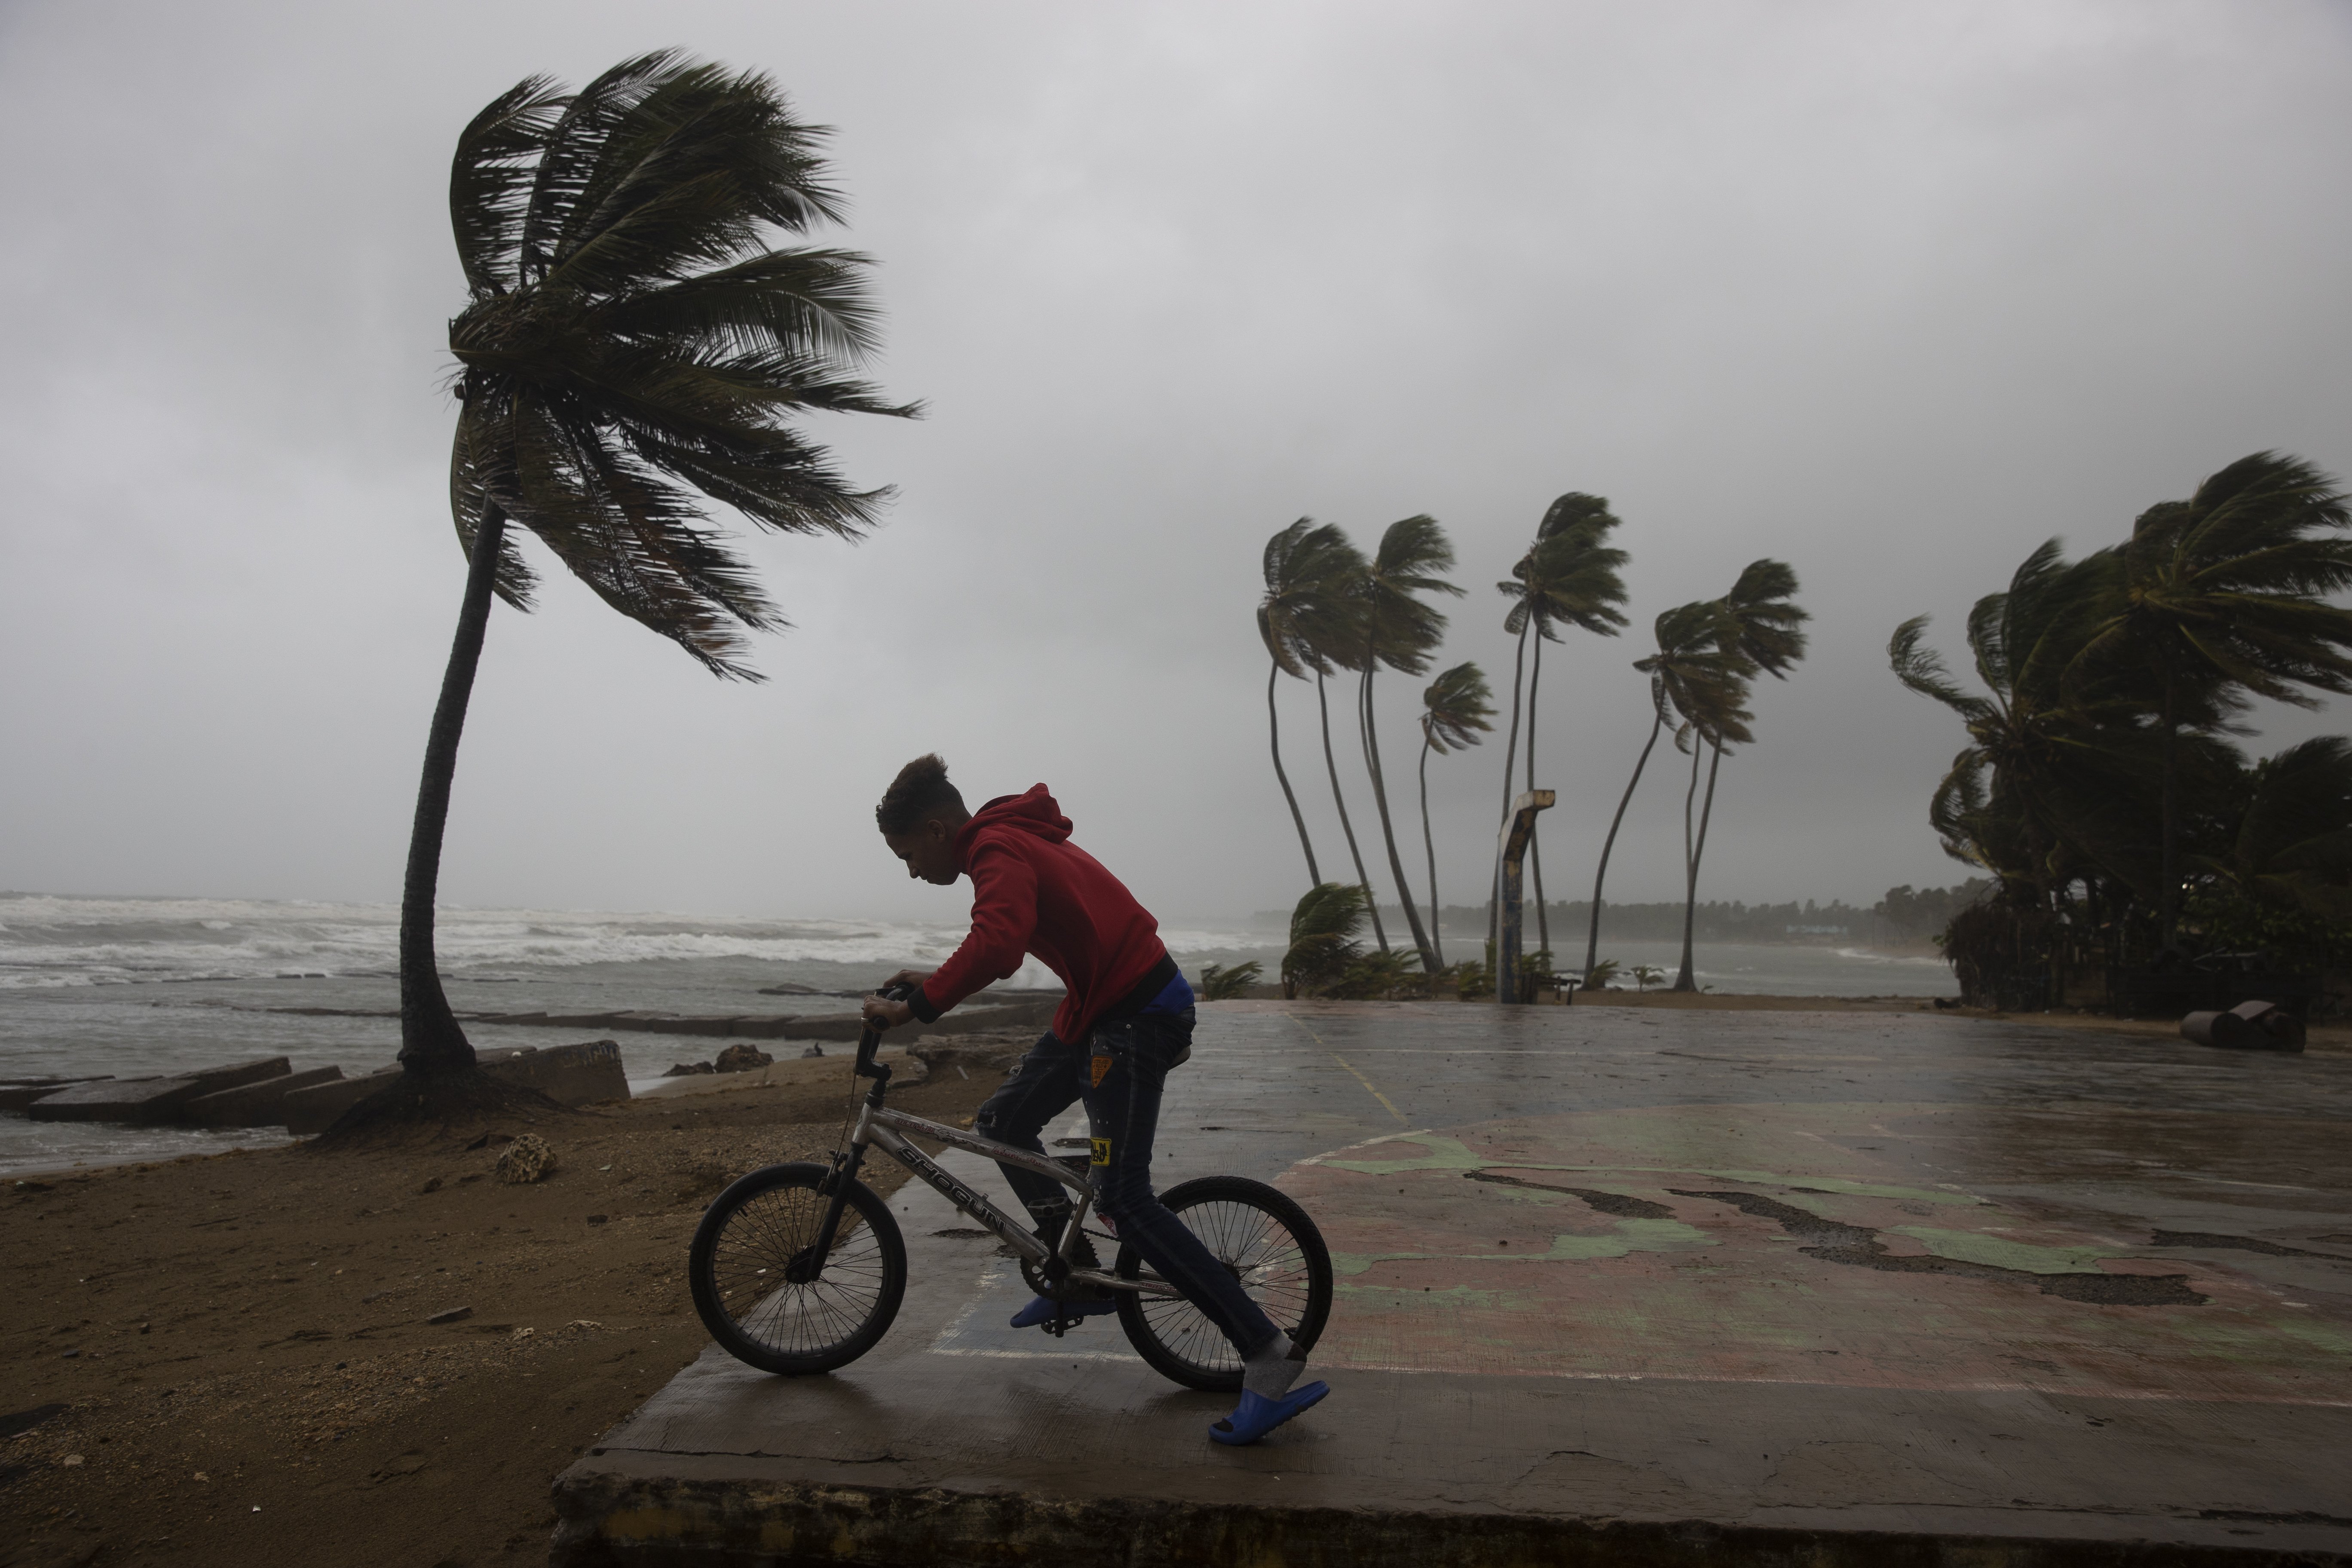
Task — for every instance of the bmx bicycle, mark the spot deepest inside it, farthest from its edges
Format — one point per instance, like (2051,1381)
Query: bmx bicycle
(800,1267)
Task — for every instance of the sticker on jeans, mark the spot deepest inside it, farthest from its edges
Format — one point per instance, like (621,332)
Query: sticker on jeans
(1101,1067)
(1101,1147)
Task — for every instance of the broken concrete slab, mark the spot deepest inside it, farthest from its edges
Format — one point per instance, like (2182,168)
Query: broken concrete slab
(260,1104)
(19,1093)
(149,1100)
(568,1075)
(308,1112)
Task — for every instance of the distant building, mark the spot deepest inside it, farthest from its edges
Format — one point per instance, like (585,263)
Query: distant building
(1814,930)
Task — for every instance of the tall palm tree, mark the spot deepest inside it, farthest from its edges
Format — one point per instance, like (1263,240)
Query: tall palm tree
(1401,631)
(1684,674)
(1569,577)
(2232,585)
(1716,716)
(1311,569)
(1336,639)
(1762,625)
(629,334)
(1456,708)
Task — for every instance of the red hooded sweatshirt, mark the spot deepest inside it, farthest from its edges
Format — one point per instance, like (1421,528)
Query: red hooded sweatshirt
(1035,891)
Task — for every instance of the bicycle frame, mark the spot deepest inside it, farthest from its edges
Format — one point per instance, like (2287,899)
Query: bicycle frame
(880,1127)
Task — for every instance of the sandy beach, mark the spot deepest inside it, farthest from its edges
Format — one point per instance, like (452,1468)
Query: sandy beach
(239,1346)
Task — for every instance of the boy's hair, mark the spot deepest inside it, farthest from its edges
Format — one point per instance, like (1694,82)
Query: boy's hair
(921,791)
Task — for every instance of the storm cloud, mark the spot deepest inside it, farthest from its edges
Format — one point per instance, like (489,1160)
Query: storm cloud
(1891,292)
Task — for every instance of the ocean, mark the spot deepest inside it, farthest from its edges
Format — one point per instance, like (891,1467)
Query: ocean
(132,987)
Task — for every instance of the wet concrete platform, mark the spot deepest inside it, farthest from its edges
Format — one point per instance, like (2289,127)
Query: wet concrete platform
(1621,1286)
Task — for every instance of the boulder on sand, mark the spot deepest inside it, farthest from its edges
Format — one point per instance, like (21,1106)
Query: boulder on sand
(528,1158)
(149,1100)
(742,1059)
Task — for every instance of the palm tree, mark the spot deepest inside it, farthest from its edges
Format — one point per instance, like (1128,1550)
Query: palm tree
(2046,772)
(1760,624)
(1569,577)
(1323,943)
(1683,674)
(1455,710)
(2230,587)
(1310,570)
(628,333)
(2290,846)
(1716,716)
(1334,637)
(1401,632)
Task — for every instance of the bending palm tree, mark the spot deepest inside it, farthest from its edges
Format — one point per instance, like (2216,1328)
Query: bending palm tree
(2047,772)
(1455,710)
(1569,578)
(627,329)
(2290,849)
(1400,632)
(1759,625)
(1682,674)
(1716,718)
(1309,569)
(2231,584)
(1335,638)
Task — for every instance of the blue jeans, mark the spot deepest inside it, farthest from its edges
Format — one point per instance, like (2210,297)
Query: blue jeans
(1118,1070)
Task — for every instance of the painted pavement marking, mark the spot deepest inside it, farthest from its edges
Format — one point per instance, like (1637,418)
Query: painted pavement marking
(1368,1087)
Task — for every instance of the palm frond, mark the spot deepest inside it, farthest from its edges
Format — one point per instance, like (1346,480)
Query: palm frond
(634,348)
(491,181)
(1456,708)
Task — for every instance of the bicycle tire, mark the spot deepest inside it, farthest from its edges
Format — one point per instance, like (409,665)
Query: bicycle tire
(754,1229)
(1270,1244)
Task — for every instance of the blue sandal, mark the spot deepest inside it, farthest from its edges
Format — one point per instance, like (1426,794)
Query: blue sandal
(1043,1309)
(1256,1414)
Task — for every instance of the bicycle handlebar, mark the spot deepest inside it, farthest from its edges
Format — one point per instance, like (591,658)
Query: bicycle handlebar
(870,1039)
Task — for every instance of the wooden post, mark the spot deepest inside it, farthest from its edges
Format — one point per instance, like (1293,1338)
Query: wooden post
(1506,875)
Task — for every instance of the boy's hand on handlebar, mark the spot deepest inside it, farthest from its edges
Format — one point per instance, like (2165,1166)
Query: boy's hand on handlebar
(884,1014)
(887,1008)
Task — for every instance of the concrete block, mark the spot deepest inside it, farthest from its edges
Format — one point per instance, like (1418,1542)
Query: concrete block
(18,1094)
(149,1100)
(568,1075)
(311,1110)
(259,1104)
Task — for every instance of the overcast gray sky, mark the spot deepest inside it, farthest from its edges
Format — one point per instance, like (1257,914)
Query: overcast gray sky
(1891,292)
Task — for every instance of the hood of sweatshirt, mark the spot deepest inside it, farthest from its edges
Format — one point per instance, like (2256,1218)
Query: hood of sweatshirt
(1033,813)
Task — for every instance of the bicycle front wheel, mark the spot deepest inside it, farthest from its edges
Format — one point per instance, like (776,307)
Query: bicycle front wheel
(1271,1247)
(765,1296)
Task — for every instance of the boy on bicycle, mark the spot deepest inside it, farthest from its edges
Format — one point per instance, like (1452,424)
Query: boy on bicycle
(1126,1020)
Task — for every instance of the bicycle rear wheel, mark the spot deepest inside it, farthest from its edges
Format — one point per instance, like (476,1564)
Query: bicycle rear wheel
(1271,1247)
(770,1303)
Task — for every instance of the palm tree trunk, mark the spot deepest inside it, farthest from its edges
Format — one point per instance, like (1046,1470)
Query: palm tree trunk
(430,1040)
(1429,847)
(1511,758)
(1274,729)
(2168,903)
(1331,765)
(1388,833)
(1535,848)
(1593,934)
(1694,847)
